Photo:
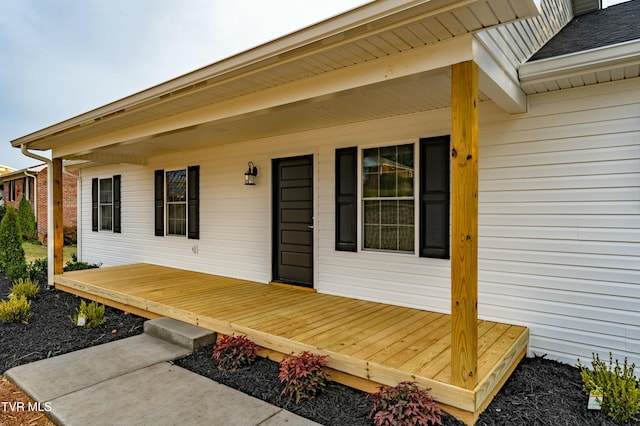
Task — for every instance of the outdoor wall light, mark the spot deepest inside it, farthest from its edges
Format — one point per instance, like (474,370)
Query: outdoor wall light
(250,175)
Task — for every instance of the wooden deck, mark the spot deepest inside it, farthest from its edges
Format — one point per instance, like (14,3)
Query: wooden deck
(368,343)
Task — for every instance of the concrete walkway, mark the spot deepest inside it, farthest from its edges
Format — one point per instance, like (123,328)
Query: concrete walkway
(132,382)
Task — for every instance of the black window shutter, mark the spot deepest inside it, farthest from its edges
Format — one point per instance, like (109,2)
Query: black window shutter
(346,198)
(116,204)
(193,202)
(94,204)
(159,203)
(434,197)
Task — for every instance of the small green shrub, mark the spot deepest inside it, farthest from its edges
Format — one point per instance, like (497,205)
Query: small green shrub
(404,405)
(233,352)
(303,375)
(25,287)
(36,268)
(12,259)
(74,265)
(27,220)
(618,384)
(15,309)
(93,314)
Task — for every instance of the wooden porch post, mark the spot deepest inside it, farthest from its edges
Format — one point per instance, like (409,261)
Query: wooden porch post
(464,225)
(57,232)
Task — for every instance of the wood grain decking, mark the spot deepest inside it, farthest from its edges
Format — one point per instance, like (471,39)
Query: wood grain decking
(374,342)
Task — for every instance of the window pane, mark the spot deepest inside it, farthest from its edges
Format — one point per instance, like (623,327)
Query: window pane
(177,186)
(405,212)
(388,212)
(388,204)
(370,185)
(388,184)
(106,217)
(405,238)
(106,204)
(372,236)
(405,171)
(389,237)
(176,219)
(370,173)
(106,191)
(371,212)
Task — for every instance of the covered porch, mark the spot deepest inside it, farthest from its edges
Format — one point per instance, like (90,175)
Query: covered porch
(368,343)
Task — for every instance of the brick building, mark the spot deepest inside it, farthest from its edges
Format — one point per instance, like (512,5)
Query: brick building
(3,171)
(32,184)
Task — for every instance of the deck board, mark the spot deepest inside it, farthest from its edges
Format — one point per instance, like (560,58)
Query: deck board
(377,343)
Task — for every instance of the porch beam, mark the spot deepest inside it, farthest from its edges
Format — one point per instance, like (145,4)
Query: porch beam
(464,224)
(56,235)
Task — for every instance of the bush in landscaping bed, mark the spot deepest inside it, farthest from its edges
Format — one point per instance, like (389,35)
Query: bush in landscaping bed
(91,315)
(618,385)
(74,265)
(233,352)
(404,405)
(27,220)
(12,259)
(303,375)
(15,309)
(25,287)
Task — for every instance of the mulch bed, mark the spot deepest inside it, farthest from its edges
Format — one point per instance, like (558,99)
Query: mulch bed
(540,392)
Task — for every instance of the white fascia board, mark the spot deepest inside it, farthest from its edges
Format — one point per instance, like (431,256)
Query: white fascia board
(599,59)
(497,81)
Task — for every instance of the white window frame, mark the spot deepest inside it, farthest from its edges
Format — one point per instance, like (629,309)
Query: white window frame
(414,198)
(101,226)
(168,203)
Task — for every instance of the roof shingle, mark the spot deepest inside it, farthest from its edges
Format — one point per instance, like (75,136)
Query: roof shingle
(605,27)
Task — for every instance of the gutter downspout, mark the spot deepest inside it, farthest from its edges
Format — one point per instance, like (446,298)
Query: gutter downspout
(50,251)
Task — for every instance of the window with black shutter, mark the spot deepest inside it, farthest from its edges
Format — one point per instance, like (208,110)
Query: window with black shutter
(177,202)
(388,220)
(106,204)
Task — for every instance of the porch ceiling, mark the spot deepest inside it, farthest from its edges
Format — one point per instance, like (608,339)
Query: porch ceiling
(375,32)
(402,96)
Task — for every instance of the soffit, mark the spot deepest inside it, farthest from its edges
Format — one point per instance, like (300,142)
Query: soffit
(322,49)
(601,65)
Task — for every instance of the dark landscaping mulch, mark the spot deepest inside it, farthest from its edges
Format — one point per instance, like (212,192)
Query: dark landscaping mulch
(540,391)
(50,331)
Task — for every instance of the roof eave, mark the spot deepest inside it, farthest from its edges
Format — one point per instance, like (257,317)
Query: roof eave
(575,64)
(252,59)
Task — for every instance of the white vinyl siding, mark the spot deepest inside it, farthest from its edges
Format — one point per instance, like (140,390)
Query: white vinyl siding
(559,221)
(559,224)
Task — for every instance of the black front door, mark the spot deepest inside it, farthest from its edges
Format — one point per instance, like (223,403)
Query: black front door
(293,220)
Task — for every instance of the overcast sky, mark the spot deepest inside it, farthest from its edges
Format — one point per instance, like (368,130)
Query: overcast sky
(62,58)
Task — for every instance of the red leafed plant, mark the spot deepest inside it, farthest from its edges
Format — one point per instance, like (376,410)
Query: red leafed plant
(233,352)
(404,404)
(303,375)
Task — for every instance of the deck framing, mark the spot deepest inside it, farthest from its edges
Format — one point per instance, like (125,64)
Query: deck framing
(368,343)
